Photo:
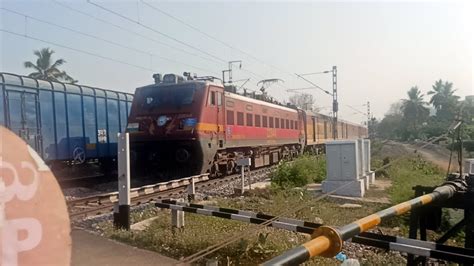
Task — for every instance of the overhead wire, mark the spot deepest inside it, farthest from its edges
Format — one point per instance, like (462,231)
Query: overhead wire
(74,49)
(212,37)
(170,37)
(154,30)
(102,39)
(130,31)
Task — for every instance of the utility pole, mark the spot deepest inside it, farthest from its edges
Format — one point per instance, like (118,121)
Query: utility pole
(230,71)
(335,104)
(368,119)
(368,113)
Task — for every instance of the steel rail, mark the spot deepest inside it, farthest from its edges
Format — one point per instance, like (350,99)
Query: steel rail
(104,203)
(327,241)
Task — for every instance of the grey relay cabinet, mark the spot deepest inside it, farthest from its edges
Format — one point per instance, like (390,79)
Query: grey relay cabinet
(348,167)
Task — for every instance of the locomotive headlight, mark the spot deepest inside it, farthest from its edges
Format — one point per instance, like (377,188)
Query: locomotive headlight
(161,121)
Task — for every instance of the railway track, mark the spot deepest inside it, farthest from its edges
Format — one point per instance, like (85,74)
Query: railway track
(104,203)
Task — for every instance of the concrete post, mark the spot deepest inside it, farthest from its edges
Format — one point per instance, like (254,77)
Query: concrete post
(242,184)
(177,218)
(191,190)
(122,211)
(249,178)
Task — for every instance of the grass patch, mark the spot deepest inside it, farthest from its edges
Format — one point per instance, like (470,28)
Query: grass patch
(409,172)
(261,244)
(299,172)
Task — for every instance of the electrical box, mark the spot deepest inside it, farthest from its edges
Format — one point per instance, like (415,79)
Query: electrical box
(367,155)
(342,160)
(469,166)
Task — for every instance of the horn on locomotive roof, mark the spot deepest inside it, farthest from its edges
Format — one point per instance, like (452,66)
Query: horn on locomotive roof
(157,77)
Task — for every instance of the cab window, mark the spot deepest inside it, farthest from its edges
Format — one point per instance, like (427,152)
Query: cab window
(211,101)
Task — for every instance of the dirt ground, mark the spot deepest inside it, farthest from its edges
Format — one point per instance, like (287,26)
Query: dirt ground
(433,153)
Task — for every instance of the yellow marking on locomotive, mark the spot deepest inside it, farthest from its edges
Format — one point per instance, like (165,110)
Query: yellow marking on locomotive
(209,127)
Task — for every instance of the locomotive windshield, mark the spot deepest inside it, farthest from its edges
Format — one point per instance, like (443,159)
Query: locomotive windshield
(167,96)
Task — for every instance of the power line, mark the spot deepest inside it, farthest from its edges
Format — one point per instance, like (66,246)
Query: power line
(74,49)
(156,31)
(314,84)
(168,36)
(211,37)
(129,31)
(101,39)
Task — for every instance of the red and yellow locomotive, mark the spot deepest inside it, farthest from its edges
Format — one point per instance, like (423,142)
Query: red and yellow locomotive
(184,126)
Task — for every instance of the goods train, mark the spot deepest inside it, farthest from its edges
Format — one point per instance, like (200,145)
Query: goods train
(73,128)
(180,126)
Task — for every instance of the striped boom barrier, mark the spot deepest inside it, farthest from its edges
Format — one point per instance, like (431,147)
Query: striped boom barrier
(243,216)
(245,213)
(327,241)
(407,245)
(417,247)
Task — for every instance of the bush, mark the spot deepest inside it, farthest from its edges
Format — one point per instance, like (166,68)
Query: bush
(301,171)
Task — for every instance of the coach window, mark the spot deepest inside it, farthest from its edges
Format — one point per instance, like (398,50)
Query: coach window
(219,99)
(257,120)
(296,124)
(230,117)
(212,98)
(240,118)
(277,122)
(264,121)
(287,124)
(249,120)
(282,123)
(270,122)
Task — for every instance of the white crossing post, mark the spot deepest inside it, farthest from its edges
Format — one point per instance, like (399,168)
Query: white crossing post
(177,217)
(122,212)
(249,177)
(191,189)
(242,184)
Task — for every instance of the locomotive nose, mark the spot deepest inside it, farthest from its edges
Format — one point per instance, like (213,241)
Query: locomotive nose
(182,155)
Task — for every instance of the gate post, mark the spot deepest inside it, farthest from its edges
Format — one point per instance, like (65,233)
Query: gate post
(122,211)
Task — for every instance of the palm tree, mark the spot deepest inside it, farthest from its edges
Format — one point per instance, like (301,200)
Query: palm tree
(47,70)
(414,109)
(443,98)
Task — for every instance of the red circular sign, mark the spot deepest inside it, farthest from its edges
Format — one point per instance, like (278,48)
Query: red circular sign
(34,222)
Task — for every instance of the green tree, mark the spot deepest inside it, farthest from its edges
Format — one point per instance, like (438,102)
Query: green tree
(390,127)
(444,100)
(414,112)
(46,69)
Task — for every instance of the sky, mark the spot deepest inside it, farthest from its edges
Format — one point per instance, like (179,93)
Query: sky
(380,48)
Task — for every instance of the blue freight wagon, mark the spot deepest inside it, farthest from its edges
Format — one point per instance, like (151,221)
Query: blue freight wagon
(70,126)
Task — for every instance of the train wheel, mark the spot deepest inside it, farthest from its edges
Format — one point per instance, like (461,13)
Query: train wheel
(230,167)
